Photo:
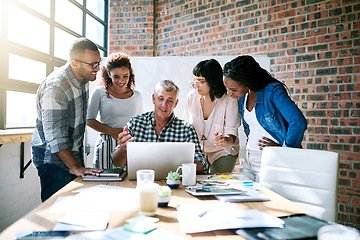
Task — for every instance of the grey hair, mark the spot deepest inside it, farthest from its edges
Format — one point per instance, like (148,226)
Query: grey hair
(168,86)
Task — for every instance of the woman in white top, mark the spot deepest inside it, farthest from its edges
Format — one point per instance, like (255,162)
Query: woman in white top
(117,102)
(214,115)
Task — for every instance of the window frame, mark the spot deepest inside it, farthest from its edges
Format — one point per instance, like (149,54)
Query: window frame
(9,47)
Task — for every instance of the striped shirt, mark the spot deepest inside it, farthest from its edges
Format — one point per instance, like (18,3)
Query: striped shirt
(142,129)
(61,104)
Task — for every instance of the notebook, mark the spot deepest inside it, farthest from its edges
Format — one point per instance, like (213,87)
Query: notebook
(162,157)
(107,175)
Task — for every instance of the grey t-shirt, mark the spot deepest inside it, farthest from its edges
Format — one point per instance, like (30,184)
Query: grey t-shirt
(114,112)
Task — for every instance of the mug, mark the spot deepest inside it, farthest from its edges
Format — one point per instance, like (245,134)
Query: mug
(145,176)
(188,174)
(148,198)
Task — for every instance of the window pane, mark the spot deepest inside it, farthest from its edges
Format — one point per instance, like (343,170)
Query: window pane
(42,6)
(96,7)
(20,109)
(1,18)
(63,41)
(68,15)
(94,30)
(31,70)
(28,30)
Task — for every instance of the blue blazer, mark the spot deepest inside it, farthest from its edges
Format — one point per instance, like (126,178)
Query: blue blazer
(278,115)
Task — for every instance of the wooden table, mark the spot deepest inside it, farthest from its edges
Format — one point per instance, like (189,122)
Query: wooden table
(40,219)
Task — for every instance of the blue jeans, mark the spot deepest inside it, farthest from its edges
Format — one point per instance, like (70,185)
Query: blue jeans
(52,179)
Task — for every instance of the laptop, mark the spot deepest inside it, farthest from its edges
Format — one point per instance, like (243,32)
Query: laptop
(162,157)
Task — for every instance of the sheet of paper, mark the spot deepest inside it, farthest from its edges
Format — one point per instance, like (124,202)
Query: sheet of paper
(208,217)
(98,199)
(222,177)
(120,233)
(83,221)
(246,196)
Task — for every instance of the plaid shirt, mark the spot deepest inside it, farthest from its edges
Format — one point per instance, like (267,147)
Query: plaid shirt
(142,129)
(61,117)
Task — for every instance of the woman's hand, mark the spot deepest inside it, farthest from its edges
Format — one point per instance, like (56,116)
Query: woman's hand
(264,142)
(115,133)
(223,141)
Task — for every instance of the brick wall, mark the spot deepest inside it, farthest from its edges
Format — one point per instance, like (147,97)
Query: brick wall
(313,46)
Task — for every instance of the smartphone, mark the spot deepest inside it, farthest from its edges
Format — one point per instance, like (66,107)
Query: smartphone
(42,235)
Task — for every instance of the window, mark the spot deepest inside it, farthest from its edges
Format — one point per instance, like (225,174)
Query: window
(33,45)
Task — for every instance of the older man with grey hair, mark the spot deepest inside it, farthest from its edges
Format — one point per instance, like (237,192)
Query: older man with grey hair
(160,125)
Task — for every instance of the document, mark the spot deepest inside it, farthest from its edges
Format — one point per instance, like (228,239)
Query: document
(98,198)
(195,218)
(121,233)
(83,221)
(246,196)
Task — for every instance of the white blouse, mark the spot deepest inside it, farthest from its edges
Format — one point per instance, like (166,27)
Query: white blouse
(223,119)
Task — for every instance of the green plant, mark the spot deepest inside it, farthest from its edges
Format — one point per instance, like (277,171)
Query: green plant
(164,191)
(173,176)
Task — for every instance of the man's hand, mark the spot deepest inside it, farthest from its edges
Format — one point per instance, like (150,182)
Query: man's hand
(69,159)
(124,137)
(81,172)
(264,142)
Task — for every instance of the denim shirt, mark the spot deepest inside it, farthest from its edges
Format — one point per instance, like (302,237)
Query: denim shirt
(278,115)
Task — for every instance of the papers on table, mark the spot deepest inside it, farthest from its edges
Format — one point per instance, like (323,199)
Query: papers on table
(195,218)
(121,233)
(246,196)
(83,221)
(89,209)
(98,198)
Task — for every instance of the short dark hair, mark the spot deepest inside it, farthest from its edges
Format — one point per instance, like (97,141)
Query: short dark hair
(212,72)
(246,71)
(79,46)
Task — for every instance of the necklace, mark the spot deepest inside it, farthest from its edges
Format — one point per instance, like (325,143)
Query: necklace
(203,137)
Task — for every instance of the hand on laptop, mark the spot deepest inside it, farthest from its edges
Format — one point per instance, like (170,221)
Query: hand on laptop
(124,137)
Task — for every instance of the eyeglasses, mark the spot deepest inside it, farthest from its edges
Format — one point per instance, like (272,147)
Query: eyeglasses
(93,65)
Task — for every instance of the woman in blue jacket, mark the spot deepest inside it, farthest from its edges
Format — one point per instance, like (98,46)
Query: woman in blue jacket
(269,116)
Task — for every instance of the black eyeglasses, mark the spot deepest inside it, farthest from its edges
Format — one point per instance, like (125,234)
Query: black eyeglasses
(93,65)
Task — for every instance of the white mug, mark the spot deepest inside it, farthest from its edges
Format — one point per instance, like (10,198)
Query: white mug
(188,174)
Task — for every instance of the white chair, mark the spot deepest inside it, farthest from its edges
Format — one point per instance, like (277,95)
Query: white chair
(306,177)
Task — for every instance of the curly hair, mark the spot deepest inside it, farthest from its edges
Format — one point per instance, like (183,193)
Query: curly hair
(212,72)
(246,71)
(116,60)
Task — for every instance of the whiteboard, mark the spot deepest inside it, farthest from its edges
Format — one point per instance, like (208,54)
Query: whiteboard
(150,70)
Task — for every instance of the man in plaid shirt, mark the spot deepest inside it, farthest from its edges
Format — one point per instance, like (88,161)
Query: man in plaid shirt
(57,143)
(160,125)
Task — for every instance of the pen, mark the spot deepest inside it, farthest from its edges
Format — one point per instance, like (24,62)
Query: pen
(212,176)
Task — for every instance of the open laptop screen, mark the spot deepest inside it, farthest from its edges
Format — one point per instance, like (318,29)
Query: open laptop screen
(162,157)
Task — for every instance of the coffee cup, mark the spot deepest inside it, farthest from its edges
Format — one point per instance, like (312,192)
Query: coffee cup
(188,174)
(145,176)
(148,198)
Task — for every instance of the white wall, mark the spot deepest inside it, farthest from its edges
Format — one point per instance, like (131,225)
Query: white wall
(17,196)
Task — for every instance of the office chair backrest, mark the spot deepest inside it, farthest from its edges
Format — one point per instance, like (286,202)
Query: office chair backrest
(306,177)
